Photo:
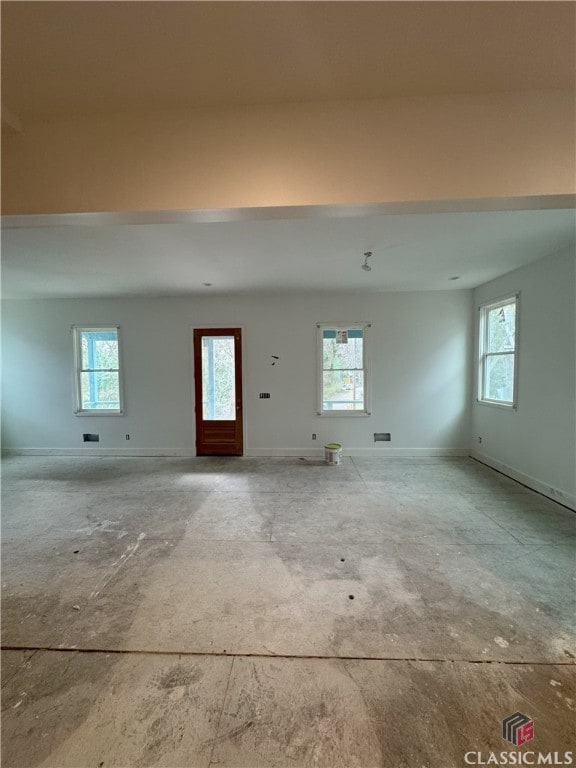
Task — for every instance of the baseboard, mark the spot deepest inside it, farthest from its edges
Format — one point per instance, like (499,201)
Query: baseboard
(249,453)
(262,453)
(407,453)
(120,452)
(360,452)
(567,499)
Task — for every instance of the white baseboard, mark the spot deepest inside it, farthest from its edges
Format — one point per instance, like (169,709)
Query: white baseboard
(567,499)
(358,452)
(262,453)
(405,453)
(249,453)
(120,452)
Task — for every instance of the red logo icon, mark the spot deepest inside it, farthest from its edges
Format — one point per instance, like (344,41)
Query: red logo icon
(518,729)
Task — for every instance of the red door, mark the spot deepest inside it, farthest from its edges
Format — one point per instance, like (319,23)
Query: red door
(218,391)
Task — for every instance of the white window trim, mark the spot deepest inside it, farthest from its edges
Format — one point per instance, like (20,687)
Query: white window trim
(77,347)
(483,310)
(364,327)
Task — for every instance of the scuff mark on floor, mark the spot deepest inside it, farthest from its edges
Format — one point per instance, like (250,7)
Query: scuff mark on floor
(230,734)
(116,566)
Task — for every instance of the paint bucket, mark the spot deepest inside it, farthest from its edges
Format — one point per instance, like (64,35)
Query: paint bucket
(333,453)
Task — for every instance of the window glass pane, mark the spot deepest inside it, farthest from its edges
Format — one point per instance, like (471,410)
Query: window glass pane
(218,378)
(501,328)
(499,383)
(343,390)
(100,390)
(342,355)
(99,349)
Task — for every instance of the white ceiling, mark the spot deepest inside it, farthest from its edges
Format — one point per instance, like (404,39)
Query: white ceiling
(416,251)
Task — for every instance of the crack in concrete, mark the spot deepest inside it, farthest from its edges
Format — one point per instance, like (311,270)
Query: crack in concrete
(272,655)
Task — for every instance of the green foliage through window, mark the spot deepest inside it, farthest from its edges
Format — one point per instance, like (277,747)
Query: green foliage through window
(498,351)
(218,378)
(98,369)
(343,369)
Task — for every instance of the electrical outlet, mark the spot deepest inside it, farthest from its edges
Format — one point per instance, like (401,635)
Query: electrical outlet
(313,435)
(479,439)
(127,437)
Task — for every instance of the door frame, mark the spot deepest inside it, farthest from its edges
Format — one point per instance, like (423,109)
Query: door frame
(218,327)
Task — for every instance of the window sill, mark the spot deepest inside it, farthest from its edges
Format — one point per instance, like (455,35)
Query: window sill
(343,414)
(99,413)
(494,404)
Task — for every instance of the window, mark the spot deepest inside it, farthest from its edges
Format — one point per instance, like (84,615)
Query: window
(498,346)
(342,370)
(97,366)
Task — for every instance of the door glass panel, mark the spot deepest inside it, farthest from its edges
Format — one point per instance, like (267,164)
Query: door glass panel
(218,378)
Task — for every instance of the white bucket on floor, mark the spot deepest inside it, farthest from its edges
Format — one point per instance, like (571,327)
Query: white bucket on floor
(333,453)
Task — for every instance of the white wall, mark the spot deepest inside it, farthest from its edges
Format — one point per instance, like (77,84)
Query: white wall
(421,359)
(537,442)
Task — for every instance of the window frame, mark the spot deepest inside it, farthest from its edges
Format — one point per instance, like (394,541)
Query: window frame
(77,331)
(483,355)
(342,326)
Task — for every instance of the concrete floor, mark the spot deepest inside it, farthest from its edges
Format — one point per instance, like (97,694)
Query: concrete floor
(280,612)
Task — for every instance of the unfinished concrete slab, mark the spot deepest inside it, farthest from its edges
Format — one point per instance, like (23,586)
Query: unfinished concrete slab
(71,710)
(75,709)
(442,565)
(282,712)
